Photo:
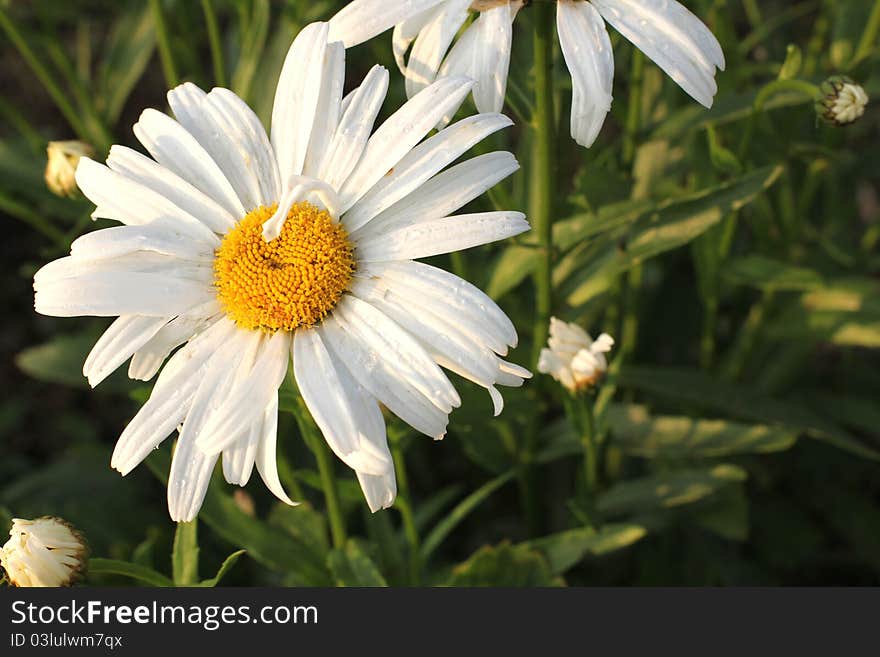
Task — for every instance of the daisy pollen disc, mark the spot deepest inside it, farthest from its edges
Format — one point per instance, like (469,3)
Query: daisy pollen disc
(290,282)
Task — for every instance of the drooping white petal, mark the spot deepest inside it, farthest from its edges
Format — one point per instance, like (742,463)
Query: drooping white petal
(443,194)
(266,460)
(361,20)
(400,133)
(296,98)
(432,43)
(171,397)
(379,491)
(328,111)
(492,57)
(675,39)
(378,374)
(590,60)
(422,162)
(353,132)
(178,151)
(248,397)
(406,31)
(147,360)
(122,199)
(121,339)
(149,173)
(437,236)
(458,302)
(331,398)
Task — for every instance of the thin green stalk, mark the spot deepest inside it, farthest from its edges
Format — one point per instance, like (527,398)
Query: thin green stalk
(33,219)
(404,505)
(869,37)
(166,56)
(747,337)
(44,76)
(807,88)
(634,113)
(216,45)
(328,479)
(588,441)
(541,191)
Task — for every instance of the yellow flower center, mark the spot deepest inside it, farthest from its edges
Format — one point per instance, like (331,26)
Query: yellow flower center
(292,281)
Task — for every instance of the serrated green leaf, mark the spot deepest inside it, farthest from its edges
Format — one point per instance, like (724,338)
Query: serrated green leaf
(504,565)
(667,490)
(565,549)
(637,432)
(351,566)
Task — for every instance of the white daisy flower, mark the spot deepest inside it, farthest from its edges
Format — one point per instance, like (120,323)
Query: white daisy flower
(337,287)
(664,30)
(573,358)
(43,552)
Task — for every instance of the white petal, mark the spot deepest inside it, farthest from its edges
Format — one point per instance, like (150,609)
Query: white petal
(421,163)
(147,360)
(443,194)
(121,198)
(437,236)
(249,397)
(400,133)
(492,57)
(361,20)
(405,32)
(432,43)
(234,137)
(149,173)
(379,375)
(449,296)
(379,491)
(330,396)
(266,460)
(110,294)
(158,237)
(329,111)
(389,342)
(178,151)
(353,131)
(296,98)
(171,398)
(675,39)
(121,339)
(590,60)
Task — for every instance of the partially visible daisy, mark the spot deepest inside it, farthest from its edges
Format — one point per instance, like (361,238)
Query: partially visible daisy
(47,551)
(843,101)
(249,249)
(664,30)
(572,357)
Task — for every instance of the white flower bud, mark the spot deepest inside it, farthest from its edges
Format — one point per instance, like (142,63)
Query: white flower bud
(63,158)
(573,357)
(843,101)
(43,552)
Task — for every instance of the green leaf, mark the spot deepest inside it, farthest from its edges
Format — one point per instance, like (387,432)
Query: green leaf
(668,228)
(636,432)
(60,360)
(667,490)
(99,566)
(185,554)
(225,567)
(771,275)
(727,515)
(504,565)
(352,567)
(791,67)
(704,391)
(565,549)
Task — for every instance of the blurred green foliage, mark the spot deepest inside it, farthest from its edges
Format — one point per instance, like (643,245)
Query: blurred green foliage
(731,252)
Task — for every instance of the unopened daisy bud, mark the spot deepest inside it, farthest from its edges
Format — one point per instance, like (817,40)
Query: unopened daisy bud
(842,102)
(61,166)
(573,358)
(47,551)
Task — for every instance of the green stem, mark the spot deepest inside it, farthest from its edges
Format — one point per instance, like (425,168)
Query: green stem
(43,75)
(541,190)
(166,56)
(328,480)
(634,114)
(869,36)
(807,88)
(35,220)
(404,505)
(216,45)
(588,440)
